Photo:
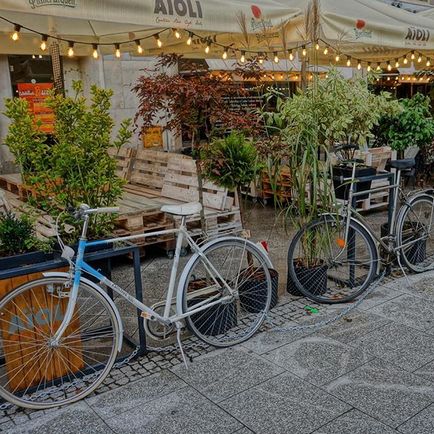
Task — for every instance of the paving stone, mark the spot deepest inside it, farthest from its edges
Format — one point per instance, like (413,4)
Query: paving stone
(222,374)
(422,423)
(427,372)
(398,344)
(378,296)
(353,326)
(182,412)
(409,310)
(243,431)
(417,284)
(284,404)
(383,391)
(135,394)
(316,359)
(355,422)
(77,418)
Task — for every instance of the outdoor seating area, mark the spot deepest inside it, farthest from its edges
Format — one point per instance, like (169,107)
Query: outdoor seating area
(217,216)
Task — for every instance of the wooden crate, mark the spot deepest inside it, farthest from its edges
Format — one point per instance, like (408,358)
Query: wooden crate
(124,160)
(32,312)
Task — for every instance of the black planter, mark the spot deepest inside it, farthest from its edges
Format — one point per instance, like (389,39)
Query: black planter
(253,292)
(342,189)
(24,259)
(213,320)
(313,279)
(417,252)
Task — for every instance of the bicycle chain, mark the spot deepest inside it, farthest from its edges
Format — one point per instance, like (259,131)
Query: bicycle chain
(196,345)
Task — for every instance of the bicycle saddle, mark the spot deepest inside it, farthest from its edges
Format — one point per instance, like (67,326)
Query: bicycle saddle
(184,209)
(407,163)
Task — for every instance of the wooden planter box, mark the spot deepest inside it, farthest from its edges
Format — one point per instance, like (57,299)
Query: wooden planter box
(30,313)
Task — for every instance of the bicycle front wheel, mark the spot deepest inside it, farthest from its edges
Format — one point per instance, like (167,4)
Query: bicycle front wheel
(327,266)
(415,234)
(232,285)
(36,372)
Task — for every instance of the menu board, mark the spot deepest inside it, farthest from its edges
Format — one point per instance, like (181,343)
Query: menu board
(244,103)
(36,94)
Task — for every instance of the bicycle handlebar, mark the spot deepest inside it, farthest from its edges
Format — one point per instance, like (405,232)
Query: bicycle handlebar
(84,210)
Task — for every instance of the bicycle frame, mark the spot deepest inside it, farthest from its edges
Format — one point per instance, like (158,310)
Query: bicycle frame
(147,313)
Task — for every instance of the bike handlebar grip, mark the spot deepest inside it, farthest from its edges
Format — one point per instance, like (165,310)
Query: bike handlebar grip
(106,210)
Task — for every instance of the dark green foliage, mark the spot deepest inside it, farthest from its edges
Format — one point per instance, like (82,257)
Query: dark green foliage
(17,235)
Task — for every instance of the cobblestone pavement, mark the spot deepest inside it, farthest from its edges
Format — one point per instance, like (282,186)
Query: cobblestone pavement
(371,372)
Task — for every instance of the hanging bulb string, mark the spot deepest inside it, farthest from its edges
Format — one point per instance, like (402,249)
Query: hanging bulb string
(303,47)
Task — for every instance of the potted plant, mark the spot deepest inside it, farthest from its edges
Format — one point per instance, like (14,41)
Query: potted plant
(232,162)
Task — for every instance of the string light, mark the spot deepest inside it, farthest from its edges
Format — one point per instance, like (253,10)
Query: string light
(389,66)
(428,62)
(378,66)
(71,49)
(412,57)
(419,59)
(291,56)
(139,46)
(95,51)
(405,61)
(388,78)
(317,46)
(261,58)
(396,63)
(326,50)
(16,35)
(225,54)
(303,51)
(369,67)
(190,38)
(208,47)
(349,61)
(359,65)
(337,58)
(117,50)
(158,40)
(243,57)
(276,57)
(44,40)
(40,56)
(176,33)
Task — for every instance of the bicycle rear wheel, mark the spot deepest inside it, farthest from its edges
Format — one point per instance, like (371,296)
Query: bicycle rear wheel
(34,372)
(326,267)
(235,314)
(415,233)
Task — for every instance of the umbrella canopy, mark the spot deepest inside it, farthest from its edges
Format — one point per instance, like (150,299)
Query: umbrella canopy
(367,27)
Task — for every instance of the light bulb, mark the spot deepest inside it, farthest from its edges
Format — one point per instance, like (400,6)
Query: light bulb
(158,41)
(389,66)
(326,50)
(317,46)
(70,49)
(16,35)
(117,51)
(378,66)
(388,78)
(177,34)
(261,60)
(419,59)
(276,58)
(405,61)
(207,48)
(369,67)
(291,56)
(359,65)
(225,54)
(428,62)
(396,63)
(348,62)
(337,58)
(190,38)
(243,57)
(95,51)
(139,46)
(304,52)
(44,42)
(412,57)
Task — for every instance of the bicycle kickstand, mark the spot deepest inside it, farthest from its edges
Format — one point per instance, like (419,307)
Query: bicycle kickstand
(178,338)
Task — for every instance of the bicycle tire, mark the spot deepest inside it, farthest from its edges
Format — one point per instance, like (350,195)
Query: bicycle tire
(415,232)
(327,281)
(231,322)
(38,375)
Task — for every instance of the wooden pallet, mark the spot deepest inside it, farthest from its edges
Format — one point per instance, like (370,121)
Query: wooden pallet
(376,157)
(282,189)
(124,160)
(12,183)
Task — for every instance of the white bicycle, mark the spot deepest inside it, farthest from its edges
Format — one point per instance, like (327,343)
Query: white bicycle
(60,335)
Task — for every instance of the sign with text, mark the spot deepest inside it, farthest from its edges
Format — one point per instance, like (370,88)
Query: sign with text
(153,136)
(36,94)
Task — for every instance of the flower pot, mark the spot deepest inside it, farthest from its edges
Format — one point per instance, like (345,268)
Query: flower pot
(313,279)
(253,292)
(214,320)
(417,252)
(342,189)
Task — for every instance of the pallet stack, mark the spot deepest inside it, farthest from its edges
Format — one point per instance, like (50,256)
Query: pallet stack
(282,186)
